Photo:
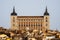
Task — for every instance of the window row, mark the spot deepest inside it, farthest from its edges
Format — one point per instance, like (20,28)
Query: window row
(30,25)
(30,20)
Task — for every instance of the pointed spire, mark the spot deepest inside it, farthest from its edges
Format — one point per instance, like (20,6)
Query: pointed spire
(46,12)
(14,13)
(14,9)
(46,9)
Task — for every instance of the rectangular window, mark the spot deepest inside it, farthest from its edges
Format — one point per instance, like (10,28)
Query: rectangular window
(13,20)
(46,24)
(41,25)
(46,21)
(19,25)
(13,24)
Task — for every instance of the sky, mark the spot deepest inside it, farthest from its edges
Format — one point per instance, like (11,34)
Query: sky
(30,8)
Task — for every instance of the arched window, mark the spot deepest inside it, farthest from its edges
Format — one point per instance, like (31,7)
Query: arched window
(13,19)
(46,18)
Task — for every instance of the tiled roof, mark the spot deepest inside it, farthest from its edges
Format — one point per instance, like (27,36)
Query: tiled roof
(30,16)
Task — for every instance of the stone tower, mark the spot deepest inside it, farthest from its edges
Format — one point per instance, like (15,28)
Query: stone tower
(14,20)
(46,19)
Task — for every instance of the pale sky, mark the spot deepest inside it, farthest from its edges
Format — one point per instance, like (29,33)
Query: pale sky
(30,8)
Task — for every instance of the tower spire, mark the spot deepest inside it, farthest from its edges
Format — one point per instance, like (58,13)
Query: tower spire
(46,9)
(13,13)
(14,9)
(46,12)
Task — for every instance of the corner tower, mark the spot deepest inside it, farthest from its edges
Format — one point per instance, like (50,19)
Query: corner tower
(13,20)
(46,19)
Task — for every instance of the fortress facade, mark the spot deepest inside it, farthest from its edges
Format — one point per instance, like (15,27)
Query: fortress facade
(32,22)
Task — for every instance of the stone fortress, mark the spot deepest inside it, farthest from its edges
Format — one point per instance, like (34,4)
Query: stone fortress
(32,22)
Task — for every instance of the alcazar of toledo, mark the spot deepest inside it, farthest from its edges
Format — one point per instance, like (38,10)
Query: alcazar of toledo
(30,22)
